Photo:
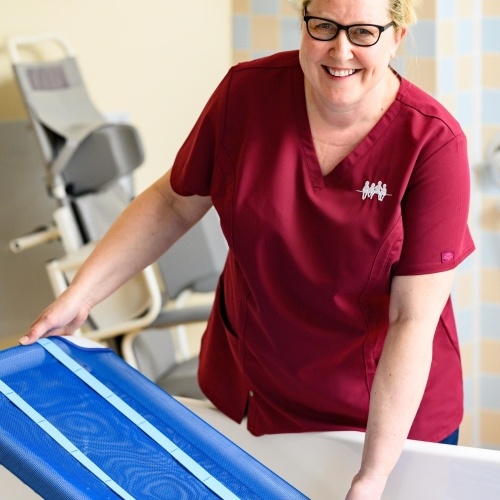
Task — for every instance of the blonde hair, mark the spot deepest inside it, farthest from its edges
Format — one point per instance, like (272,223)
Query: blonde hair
(402,12)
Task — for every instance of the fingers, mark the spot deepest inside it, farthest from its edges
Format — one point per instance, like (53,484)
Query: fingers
(32,336)
(41,328)
(60,318)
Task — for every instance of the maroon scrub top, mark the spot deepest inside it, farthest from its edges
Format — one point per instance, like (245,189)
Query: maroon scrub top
(301,309)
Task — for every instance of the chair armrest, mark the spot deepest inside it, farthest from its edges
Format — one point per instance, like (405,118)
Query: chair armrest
(182,316)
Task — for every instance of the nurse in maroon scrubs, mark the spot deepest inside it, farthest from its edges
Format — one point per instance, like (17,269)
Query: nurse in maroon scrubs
(343,193)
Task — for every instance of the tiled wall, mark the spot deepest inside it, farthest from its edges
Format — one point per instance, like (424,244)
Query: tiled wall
(458,86)
(490,230)
(261,27)
(453,52)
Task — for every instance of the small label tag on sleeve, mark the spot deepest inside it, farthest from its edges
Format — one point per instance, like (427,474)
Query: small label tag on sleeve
(447,257)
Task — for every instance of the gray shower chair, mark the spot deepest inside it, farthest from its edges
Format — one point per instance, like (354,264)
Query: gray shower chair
(89,163)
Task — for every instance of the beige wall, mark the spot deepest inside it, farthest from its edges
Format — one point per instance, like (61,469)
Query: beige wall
(136,59)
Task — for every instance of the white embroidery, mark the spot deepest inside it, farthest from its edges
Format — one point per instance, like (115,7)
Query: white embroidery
(370,190)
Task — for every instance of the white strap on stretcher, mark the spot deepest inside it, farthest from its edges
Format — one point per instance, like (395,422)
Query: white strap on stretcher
(150,430)
(62,440)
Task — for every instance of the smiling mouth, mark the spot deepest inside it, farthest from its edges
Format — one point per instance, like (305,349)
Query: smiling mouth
(340,73)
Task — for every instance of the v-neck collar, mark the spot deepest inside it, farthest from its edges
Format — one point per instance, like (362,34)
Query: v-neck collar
(318,180)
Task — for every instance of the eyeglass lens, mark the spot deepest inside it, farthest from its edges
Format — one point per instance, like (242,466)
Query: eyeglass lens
(360,34)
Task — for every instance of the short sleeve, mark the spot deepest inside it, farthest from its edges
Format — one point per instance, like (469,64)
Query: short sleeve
(193,166)
(435,210)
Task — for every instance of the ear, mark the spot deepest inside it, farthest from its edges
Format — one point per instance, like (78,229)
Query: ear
(398,38)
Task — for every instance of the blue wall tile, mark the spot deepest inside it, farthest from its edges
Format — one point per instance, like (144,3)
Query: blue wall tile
(265,6)
(465,324)
(241,32)
(468,394)
(400,64)
(447,79)
(466,264)
(447,9)
(491,106)
(490,321)
(490,248)
(490,392)
(424,36)
(290,33)
(465,36)
(465,108)
(490,34)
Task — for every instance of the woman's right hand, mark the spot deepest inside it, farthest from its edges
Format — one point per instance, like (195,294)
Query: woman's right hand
(63,317)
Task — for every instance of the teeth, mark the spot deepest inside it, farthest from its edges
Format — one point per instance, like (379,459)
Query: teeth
(342,72)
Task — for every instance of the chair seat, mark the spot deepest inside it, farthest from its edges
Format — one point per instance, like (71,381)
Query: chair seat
(181,380)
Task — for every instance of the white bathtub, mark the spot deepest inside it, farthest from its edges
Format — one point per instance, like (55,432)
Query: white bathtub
(321,465)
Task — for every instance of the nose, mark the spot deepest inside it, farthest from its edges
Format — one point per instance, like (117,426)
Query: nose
(341,45)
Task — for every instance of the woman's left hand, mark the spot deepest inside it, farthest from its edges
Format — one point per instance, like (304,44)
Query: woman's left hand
(365,487)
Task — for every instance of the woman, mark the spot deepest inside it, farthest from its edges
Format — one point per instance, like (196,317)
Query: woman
(343,193)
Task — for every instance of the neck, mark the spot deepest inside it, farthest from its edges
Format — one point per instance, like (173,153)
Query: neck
(366,111)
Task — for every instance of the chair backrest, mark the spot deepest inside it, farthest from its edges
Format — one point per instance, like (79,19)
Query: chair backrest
(97,211)
(197,259)
(57,99)
(77,143)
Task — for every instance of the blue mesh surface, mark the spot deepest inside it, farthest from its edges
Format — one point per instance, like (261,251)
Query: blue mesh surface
(132,459)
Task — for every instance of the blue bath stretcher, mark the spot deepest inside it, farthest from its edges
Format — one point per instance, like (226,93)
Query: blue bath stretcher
(77,422)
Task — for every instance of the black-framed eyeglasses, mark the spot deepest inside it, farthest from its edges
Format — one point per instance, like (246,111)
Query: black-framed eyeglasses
(362,35)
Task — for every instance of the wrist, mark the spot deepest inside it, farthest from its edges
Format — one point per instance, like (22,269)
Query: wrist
(367,485)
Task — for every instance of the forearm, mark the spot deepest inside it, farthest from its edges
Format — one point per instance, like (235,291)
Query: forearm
(401,377)
(144,231)
(396,394)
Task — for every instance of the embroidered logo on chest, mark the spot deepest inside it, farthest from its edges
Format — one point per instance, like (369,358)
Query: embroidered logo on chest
(371,189)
